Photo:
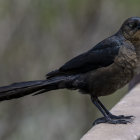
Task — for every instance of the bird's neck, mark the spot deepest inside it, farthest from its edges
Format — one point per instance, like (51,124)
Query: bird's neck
(120,35)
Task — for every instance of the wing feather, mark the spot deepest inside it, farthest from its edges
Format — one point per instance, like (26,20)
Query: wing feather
(102,55)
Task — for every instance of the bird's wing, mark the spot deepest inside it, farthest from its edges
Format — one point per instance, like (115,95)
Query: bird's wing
(101,55)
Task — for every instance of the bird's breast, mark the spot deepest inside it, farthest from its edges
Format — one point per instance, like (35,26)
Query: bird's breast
(107,80)
(127,59)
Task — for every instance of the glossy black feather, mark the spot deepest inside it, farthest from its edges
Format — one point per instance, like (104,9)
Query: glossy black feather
(102,55)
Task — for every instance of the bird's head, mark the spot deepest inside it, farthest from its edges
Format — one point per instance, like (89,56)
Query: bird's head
(131,29)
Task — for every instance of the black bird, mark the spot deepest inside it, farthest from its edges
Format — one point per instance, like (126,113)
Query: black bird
(108,66)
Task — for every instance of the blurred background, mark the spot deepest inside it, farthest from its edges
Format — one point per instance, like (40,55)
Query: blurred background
(37,36)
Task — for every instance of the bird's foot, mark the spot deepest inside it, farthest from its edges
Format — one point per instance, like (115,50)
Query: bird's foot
(114,120)
(121,117)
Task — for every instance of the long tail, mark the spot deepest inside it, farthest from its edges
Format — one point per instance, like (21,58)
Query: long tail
(21,89)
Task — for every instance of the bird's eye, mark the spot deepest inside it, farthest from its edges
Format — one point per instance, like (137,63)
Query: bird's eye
(132,25)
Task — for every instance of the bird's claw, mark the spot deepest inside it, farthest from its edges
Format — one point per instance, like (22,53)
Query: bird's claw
(114,120)
(120,117)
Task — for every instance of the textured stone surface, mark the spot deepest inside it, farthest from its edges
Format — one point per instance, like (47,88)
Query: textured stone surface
(129,105)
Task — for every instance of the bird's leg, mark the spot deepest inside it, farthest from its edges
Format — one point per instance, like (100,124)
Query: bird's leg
(108,117)
(110,114)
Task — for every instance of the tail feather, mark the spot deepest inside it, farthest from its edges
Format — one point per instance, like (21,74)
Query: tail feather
(21,89)
(20,85)
(40,92)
